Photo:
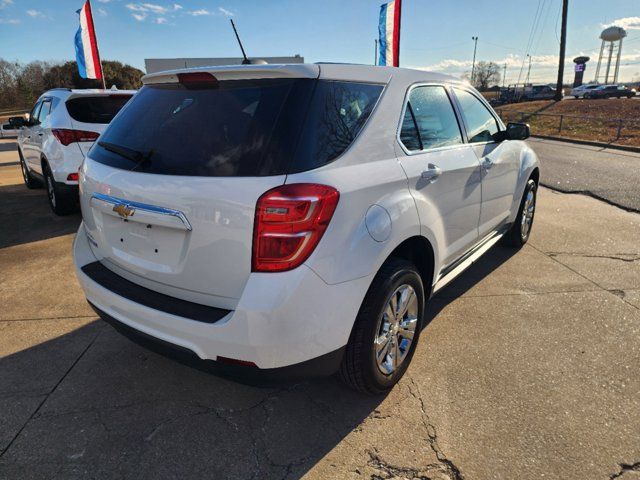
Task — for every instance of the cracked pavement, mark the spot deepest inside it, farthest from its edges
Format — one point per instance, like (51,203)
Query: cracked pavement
(528,368)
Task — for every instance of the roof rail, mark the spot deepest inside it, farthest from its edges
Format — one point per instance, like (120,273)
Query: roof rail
(60,88)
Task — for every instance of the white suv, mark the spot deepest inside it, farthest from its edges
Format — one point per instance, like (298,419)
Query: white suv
(293,220)
(59,131)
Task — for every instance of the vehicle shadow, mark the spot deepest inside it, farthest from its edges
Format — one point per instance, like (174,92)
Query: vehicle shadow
(482,268)
(26,217)
(114,409)
(131,413)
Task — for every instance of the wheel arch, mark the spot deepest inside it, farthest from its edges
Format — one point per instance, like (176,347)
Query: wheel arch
(419,251)
(529,168)
(535,175)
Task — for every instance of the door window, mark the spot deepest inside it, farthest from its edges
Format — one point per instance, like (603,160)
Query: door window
(44,111)
(481,124)
(429,120)
(33,115)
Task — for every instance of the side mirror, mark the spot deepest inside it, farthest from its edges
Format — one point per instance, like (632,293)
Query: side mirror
(17,122)
(518,131)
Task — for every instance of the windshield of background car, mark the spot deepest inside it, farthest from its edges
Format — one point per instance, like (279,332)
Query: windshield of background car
(237,127)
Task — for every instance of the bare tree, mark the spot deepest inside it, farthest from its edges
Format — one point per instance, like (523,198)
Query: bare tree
(486,74)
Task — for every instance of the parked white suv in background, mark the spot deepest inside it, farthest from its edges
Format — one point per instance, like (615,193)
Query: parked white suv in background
(59,131)
(293,220)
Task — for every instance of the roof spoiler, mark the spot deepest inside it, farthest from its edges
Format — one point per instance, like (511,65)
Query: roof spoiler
(237,72)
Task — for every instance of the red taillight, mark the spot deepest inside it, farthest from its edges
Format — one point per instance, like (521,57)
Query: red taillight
(73,177)
(290,221)
(67,136)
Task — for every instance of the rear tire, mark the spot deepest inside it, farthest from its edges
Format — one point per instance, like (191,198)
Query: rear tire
(382,343)
(520,231)
(61,200)
(29,181)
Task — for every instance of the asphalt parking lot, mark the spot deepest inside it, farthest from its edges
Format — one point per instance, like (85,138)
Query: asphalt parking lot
(528,369)
(604,173)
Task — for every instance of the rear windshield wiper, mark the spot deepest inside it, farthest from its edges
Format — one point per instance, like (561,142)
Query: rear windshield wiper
(128,153)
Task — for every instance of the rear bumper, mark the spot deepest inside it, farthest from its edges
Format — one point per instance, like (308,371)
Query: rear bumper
(290,319)
(322,366)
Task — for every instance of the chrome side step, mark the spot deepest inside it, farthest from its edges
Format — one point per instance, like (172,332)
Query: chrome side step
(474,255)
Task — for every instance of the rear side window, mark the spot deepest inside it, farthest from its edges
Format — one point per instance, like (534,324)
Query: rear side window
(236,128)
(96,109)
(429,120)
(481,124)
(337,113)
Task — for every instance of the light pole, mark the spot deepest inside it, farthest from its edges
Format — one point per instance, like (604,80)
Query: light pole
(473,64)
(529,70)
(504,75)
(375,52)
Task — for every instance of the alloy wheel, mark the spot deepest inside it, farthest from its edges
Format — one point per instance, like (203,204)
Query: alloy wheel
(50,191)
(527,214)
(396,329)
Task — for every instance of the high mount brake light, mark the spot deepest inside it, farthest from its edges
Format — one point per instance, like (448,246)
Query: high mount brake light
(290,221)
(198,80)
(67,136)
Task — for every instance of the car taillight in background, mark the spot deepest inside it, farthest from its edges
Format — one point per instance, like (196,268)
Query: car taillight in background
(67,136)
(290,221)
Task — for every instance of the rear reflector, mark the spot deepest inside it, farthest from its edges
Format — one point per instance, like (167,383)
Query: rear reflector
(72,177)
(290,221)
(233,361)
(67,136)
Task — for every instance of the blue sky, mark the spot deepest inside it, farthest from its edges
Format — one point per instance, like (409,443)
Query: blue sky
(436,34)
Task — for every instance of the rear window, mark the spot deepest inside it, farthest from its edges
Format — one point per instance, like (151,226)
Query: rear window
(237,128)
(96,109)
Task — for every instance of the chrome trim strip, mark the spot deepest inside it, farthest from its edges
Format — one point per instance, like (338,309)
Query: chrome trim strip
(144,207)
(467,260)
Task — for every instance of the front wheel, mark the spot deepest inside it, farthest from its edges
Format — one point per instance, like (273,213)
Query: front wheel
(519,233)
(386,330)
(29,181)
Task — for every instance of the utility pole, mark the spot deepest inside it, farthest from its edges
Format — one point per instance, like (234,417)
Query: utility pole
(529,70)
(563,44)
(473,65)
(375,52)
(504,74)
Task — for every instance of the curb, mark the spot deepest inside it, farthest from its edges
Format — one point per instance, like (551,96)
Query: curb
(613,146)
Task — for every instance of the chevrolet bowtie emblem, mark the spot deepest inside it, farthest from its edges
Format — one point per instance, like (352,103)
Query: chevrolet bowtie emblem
(124,210)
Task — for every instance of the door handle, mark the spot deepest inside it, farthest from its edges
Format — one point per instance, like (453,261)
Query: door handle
(40,134)
(431,173)
(487,163)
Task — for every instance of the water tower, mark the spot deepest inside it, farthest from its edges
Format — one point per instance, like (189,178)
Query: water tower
(611,44)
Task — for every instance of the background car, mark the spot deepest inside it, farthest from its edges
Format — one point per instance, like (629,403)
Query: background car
(539,92)
(60,129)
(293,220)
(8,130)
(610,91)
(579,92)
